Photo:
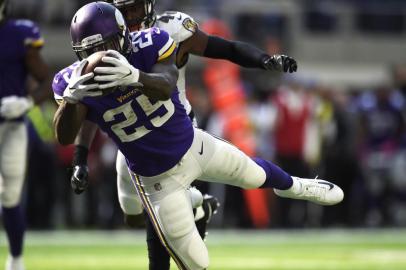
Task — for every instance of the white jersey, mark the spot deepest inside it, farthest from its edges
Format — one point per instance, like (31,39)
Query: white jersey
(180,27)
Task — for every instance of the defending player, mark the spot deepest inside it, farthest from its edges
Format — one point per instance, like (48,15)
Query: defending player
(140,14)
(147,121)
(20,43)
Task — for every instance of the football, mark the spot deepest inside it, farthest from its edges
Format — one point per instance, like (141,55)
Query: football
(93,61)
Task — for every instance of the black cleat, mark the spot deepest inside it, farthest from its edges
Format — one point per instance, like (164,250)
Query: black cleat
(210,205)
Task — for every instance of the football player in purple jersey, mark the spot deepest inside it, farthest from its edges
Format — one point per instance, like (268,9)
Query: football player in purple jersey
(20,44)
(146,119)
(140,14)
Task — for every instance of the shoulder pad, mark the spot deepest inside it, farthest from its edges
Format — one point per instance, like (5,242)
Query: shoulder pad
(180,26)
(153,42)
(25,23)
(30,33)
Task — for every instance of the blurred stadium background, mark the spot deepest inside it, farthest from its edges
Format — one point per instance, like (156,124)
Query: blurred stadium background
(341,117)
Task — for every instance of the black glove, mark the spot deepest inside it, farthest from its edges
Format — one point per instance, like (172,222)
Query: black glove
(79,179)
(280,62)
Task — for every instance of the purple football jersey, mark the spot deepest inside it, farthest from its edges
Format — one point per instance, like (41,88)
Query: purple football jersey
(15,37)
(152,135)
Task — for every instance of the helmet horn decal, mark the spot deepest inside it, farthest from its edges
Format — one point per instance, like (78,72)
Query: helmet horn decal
(99,26)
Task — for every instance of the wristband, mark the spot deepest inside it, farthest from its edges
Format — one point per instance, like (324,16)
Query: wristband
(80,155)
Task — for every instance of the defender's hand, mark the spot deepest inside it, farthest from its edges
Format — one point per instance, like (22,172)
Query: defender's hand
(79,179)
(76,89)
(280,62)
(13,106)
(120,73)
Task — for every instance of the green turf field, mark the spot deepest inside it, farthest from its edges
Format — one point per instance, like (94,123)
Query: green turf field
(246,250)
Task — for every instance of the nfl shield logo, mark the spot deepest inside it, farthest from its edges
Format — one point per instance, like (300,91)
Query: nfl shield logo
(158,187)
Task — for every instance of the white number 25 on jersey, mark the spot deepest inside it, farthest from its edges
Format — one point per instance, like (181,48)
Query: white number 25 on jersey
(167,110)
(140,42)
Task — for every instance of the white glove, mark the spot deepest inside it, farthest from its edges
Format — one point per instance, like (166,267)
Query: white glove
(121,73)
(14,106)
(76,89)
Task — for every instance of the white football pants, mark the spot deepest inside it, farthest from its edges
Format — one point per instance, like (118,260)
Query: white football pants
(13,158)
(128,197)
(166,201)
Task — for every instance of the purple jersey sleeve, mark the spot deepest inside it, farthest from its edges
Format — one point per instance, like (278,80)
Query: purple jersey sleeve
(153,45)
(163,43)
(61,81)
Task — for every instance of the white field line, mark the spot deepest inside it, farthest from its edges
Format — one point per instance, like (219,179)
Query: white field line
(220,237)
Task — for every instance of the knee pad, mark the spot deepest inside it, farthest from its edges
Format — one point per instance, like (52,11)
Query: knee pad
(197,252)
(10,194)
(12,169)
(175,214)
(177,221)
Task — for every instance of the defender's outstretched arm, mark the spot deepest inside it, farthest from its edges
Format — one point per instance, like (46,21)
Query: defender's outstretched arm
(240,53)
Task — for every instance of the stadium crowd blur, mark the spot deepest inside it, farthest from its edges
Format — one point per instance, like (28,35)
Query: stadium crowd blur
(350,133)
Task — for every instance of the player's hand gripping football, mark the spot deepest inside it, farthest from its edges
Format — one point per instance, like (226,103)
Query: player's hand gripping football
(77,89)
(13,106)
(120,73)
(280,62)
(79,179)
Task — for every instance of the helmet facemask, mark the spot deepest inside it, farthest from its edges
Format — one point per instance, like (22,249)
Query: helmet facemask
(139,14)
(87,47)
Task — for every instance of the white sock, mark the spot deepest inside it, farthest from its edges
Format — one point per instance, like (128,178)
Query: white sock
(14,263)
